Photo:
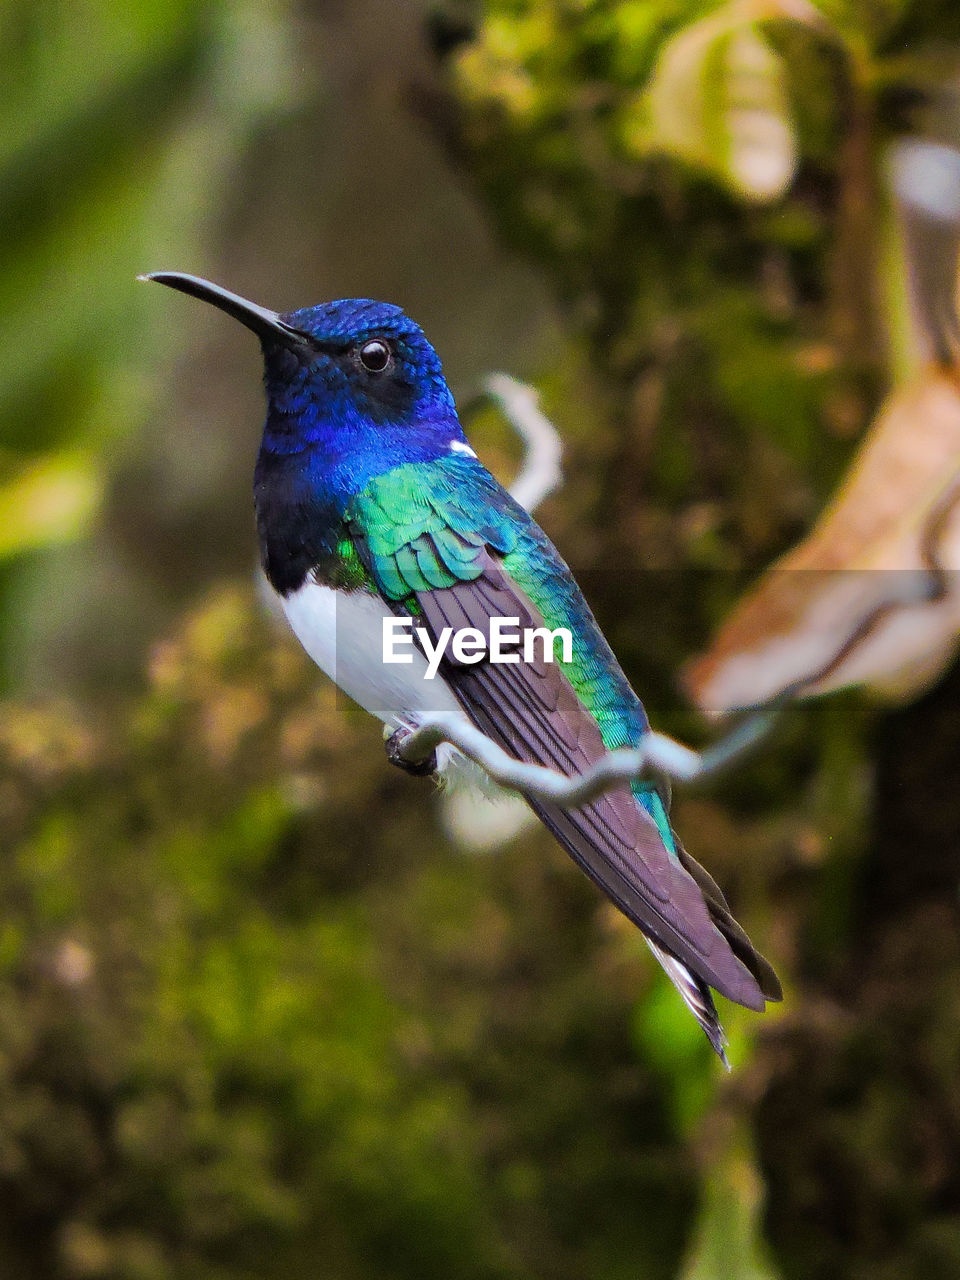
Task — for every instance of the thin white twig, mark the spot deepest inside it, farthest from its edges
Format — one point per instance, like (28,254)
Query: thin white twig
(657,755)
(540,472)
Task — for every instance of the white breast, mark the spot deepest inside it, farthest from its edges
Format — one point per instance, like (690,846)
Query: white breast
(342,631)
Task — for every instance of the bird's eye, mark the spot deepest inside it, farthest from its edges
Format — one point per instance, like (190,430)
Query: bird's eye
(375,355)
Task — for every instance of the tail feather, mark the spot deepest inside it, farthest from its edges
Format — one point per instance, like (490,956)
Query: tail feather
(696,996)
(740,944)
(695,993)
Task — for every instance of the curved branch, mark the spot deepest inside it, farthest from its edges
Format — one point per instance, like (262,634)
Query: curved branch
(658,755)
(540,472)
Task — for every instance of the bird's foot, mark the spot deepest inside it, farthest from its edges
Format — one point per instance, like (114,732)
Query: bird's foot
(418,768)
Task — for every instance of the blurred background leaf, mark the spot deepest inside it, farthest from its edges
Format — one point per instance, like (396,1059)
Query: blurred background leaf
(50,500)
(718,100)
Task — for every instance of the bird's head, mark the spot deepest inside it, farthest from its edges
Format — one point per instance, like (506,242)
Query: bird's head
(353,377)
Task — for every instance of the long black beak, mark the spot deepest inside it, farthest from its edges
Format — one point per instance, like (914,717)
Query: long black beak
(264,323)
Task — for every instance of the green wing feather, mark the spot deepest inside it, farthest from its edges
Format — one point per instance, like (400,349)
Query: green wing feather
(421,532)
(426,526)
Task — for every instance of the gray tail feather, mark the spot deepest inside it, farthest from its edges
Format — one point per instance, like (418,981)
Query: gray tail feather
(740,944)
(696,996)
(695,992)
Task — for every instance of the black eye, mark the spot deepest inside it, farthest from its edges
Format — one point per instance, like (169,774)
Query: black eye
(375,355)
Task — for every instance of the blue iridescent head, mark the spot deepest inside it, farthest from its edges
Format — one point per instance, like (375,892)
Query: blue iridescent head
(353,363)
(355,382)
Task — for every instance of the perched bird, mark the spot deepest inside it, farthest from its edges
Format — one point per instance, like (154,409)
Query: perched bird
(371,505)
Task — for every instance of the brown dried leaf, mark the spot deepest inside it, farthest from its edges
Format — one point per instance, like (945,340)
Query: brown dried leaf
(869,596)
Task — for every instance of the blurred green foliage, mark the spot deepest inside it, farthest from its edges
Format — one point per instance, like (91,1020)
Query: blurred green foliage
(243,1036)
(257,1017)
(118,130)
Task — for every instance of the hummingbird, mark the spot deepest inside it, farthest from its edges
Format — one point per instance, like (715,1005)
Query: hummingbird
(371,506)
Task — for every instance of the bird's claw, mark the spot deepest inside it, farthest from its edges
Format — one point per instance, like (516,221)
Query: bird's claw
(418,768)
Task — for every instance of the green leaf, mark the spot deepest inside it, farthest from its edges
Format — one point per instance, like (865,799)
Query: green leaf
(51,500)
(718,100)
